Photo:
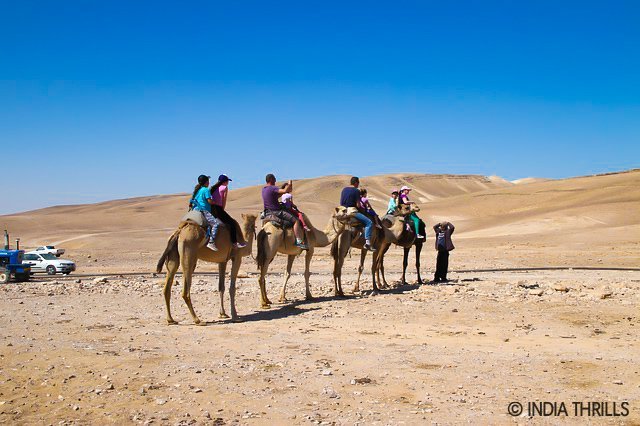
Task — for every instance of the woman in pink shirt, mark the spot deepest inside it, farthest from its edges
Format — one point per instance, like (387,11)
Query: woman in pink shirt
(219,193)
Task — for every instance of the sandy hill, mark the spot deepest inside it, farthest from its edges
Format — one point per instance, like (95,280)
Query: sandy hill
(80,225)
(594,212)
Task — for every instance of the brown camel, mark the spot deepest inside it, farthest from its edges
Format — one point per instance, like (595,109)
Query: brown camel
(273,240)
(406,239)
(187,245)
(353,238)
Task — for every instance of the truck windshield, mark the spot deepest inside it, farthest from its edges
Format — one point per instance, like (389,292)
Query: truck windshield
(50,247)
(48,256)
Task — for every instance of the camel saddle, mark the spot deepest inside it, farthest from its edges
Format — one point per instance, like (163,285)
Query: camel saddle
(268,217)
(198,218)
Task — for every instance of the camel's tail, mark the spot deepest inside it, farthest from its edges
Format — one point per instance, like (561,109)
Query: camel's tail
(172,244)
(261,240)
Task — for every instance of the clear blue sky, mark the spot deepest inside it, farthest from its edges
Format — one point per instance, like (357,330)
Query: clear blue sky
(111,99)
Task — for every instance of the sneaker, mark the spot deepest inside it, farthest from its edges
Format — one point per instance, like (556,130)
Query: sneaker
(421,237)
(212,246)
(369,247)
(303,246)
(239,245)
(307,229)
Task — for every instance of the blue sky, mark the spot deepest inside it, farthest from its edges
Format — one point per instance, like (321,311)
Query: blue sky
(103,100)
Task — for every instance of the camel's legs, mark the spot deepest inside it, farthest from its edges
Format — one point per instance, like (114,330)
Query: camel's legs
(337,270)
(363,255)
(236,261)
(383,252)
(345,246)
(189,261)
(344,243)
(374,264)
(418,250)
(265,303)
(172,263)
(222,268)
(287,275)
(405,261)
(307,274)
(262,282)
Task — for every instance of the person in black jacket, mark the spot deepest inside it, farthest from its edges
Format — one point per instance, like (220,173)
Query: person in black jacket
(444,245)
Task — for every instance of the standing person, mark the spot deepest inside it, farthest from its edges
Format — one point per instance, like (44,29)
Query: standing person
(201,201)
(404,199)
(393,203)
(270,195)
(350,197)
(444,245)
(219,193)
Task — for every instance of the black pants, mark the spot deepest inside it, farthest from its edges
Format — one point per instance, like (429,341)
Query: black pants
(422,229)
(219,212)
(442,265)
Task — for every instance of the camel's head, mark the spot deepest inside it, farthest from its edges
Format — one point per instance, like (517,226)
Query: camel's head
(249,223)
(340,214)
(406,209)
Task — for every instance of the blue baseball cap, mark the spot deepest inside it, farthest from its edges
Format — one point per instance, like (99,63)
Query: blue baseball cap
(224,178)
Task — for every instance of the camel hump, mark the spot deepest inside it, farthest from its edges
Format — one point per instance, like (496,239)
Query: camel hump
(195,216)
(388,220)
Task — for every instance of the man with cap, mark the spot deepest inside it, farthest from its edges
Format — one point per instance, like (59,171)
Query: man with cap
(404,199)
(219,193)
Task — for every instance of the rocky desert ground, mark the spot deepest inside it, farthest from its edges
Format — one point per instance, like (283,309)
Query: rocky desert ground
(96,349)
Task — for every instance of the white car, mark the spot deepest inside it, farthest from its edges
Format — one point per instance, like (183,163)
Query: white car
(50,249)
(47,262)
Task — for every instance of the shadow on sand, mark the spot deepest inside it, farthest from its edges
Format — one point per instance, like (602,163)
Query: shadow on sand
(296,307)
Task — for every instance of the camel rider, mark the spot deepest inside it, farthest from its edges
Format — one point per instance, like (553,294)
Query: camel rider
(201,201)
(270,195)
(393,203)
(404,199)
(219,193)
(350,197)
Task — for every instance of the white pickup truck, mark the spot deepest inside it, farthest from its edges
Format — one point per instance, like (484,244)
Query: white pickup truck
(50,249)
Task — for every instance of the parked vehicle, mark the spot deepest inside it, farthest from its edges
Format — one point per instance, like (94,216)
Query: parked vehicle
(50,249)
(11,266)
(49,263)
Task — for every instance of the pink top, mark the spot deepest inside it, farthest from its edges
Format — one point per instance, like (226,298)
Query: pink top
(219,196)
(363,202)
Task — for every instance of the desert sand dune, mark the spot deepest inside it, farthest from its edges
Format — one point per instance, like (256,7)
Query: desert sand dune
(583,214)
(92,351)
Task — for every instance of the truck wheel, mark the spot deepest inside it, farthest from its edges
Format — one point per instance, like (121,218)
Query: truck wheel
(4,276)
(51,270)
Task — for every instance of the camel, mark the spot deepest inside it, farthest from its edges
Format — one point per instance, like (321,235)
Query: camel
(405,239)
(187,245)
(353,238)
(273,240)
